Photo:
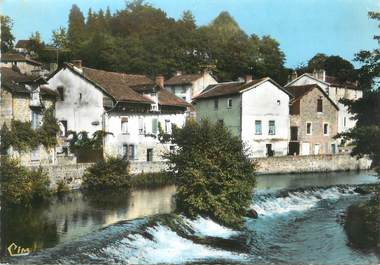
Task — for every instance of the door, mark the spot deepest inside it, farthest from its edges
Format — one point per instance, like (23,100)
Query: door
(317,149)
(293,133)
(333,149)
(305,148)
(269,150)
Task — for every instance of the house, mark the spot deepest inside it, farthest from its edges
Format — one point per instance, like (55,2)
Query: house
(24,98)
(188,86)
(257,111)
(336,90)
(313,121)
(131,108)
(24,64)
(23,46)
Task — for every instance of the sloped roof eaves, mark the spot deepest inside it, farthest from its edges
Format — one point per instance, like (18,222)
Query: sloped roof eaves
(165,98)
(183,79)
(309,88)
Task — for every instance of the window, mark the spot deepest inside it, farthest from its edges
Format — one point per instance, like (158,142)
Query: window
(258,128)
(172,149)
(154,126)
(63,127)
(141,126)
(124,125)
(129,151)
(216,103)
(272,128)
(35,155)
(35,119)
(278,102)
(167,126)
(308,128)
(61,93)
(345,121)
(325,128)
(149,154)
(220,122)
(229,103)
(319,105)
(80,97)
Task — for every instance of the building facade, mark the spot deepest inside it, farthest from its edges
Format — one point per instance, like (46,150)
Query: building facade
(257,111)
(25,99)
(336,90)
(313,121)
(23,63)
(130,108)
(188,86)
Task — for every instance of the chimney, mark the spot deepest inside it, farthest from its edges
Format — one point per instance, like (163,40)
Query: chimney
(160,80)
(77,63)
(248,78)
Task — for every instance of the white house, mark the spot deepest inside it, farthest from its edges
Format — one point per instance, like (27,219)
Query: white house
(129,107)
(257,111)
(336,90)
(188,86)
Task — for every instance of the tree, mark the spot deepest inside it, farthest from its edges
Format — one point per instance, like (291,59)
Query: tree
(59,38)
(369,71)
(76,29)
(214,177)
(7,37)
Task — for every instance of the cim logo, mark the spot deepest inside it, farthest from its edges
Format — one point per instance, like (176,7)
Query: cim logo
(15,250)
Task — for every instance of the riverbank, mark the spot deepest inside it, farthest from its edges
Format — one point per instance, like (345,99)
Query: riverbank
(71,174)
(297,225)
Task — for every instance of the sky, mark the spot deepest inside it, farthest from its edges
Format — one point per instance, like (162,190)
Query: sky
(302,27)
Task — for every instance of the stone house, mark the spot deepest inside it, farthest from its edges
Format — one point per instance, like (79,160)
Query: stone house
(188,86)
(24,64)
(313,121)
(257,111)
(336,90)
(25,98)
(131,108)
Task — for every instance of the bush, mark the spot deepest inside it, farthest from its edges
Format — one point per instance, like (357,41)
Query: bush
(21,186)
(362,224)
(213,175)
(112,173)
(62,187)
(152,180)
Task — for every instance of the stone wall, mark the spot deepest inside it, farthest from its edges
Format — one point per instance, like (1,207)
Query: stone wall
(72,174)
(315,163)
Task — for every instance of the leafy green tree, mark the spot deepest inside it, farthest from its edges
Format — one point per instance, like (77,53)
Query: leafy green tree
(369,72)
(59,38)
(76,28)
(7,37)
(214,177)
(109,174)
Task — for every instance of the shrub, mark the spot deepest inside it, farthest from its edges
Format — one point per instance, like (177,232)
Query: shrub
(362,224)
(152,180)
(213,175)
(21,186)
(62,187)
(112,173)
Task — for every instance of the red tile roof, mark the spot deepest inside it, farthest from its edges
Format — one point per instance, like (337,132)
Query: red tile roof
(128,87)
(16,57)
(224,89)
(183,79)
(299,91)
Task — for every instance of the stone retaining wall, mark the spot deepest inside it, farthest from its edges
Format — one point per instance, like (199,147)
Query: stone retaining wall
(315,163)
(72,174)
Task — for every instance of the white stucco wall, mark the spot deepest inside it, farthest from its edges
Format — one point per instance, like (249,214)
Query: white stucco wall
(114,143)
(260,103)
(80,114)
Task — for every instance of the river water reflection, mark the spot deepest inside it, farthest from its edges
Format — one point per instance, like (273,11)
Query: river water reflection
(74,215)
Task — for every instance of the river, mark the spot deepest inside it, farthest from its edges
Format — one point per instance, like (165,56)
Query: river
(297,224)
